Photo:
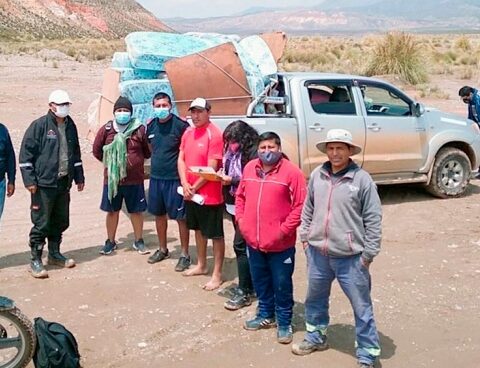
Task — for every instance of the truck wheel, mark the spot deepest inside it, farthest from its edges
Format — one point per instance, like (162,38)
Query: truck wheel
(450,174)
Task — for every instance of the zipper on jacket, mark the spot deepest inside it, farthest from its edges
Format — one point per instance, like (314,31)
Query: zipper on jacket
(329,207)
(258,212)
(350,240)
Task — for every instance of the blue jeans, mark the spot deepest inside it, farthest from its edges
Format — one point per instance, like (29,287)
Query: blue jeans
(3,188)
(272,280)
(354,279)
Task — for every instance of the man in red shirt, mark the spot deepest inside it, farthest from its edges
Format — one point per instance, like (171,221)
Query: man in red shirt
(202,145)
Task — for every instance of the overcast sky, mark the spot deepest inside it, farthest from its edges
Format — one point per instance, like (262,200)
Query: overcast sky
(212,8)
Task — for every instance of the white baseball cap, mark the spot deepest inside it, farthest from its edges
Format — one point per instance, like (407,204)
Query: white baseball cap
(59,97)
(200,103)
(340,136)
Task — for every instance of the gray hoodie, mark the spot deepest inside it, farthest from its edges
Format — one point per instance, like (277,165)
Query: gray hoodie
(342,215)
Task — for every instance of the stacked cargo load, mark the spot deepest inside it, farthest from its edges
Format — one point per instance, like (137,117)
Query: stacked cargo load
(221,68)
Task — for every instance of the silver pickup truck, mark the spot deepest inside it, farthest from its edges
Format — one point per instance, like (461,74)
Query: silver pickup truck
(403,141)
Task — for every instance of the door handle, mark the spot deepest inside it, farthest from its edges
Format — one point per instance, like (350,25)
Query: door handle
(374,127)
(317,127)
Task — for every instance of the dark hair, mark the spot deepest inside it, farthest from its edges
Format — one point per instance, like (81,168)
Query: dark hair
(465,91)
(161,96)
(270,136)
(240,132)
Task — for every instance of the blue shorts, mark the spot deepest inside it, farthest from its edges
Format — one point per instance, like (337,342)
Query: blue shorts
(134,196)
(163,199)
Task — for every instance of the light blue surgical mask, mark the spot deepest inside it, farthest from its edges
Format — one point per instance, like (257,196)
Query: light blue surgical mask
(123,117)
(161,112)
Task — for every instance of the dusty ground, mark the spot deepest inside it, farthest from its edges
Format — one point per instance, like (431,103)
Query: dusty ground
(127,313)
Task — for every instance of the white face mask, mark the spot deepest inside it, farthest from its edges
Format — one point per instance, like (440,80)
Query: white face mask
(62,111)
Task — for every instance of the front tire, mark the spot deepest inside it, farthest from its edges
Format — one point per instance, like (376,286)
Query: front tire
(18,340)
(450,173)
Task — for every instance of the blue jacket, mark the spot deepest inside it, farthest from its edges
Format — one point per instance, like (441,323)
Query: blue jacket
(7,156)
(474,107)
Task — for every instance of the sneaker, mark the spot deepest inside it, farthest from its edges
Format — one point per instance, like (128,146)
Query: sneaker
(139,246)
(365,365)
(306,347)
(158,256)
(285,334)
(108,248)
(183,263)
(238,301)
(259,323)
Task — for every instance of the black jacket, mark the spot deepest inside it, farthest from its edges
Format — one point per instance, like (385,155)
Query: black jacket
(40,151)
(7,156)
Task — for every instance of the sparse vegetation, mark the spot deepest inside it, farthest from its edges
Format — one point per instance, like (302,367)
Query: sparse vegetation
(400,54)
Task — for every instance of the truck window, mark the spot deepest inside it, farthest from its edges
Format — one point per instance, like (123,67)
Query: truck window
(331,99)
(384,102)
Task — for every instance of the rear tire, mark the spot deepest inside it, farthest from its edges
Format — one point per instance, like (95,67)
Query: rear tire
(25,333)
(450,173)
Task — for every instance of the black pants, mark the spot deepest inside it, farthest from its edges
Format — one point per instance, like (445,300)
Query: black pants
(50,213)
(240,248)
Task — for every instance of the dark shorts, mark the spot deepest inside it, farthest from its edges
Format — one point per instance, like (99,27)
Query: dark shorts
(134,196)
(207,219)
(163,199)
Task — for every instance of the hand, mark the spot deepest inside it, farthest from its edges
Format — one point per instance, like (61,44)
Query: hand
(305,245)
(365,263)
(188,191)
(32,188)
(10,189)
(80,186)
(226,180)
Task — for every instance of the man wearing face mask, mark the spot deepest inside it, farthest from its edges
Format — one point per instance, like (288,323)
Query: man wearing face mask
(50,160)
(268,205)
(122,146)
(164,134)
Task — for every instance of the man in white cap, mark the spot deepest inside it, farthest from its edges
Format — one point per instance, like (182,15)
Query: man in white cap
(202,145)
(341,234)
(50,160)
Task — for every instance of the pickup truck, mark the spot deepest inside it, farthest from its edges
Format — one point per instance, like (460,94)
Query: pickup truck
(403,141)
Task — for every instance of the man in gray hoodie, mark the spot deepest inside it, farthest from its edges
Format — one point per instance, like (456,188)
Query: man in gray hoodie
(341,234)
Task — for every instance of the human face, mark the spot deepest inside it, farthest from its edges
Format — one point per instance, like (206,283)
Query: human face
(200,117)
(60,110)
(467,99)
(162,103)
(268,146)
(339,155)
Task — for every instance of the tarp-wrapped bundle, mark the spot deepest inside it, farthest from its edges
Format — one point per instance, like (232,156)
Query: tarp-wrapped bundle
(228,70)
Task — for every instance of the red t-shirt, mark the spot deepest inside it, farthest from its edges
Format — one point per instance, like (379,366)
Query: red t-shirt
(200,145)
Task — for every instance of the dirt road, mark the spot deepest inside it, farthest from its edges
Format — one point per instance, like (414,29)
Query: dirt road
(127,313)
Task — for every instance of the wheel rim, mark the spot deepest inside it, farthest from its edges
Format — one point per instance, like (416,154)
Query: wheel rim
(13,346)
(452,174)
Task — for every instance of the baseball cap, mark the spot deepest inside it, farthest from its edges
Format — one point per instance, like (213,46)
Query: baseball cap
(200,103)
(59,97)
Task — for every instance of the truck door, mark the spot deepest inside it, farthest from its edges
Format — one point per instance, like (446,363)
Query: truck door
(329,104)
(395,136)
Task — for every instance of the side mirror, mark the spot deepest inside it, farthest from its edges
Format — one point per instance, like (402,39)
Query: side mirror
(419,109)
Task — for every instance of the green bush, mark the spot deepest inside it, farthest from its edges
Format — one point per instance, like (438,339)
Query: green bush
(398,53)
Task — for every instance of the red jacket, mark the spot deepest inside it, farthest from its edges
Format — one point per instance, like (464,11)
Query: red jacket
(268,207)
(137,152)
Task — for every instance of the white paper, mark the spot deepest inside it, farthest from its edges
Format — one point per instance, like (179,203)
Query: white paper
(197,198)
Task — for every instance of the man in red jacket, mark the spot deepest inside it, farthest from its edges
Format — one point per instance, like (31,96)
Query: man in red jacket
(268,205)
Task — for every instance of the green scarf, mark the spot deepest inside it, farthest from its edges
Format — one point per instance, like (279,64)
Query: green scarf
(115,157)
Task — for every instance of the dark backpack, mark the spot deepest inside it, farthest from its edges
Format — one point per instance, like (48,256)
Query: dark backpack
(56,346)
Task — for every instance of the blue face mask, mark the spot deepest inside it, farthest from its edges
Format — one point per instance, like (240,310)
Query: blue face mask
(270,158)
(123,117)
(161,112)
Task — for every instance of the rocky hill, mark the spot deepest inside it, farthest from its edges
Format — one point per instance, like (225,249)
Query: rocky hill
(346,16)
(58,19)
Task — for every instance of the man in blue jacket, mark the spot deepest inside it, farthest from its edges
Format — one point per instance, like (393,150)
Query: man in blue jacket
(7,166)
(471,97)
(341,234)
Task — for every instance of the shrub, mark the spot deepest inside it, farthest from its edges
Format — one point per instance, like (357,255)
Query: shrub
(463,43)
(398,53)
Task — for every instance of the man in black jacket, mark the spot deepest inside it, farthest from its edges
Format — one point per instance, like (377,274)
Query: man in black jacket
(50,160)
